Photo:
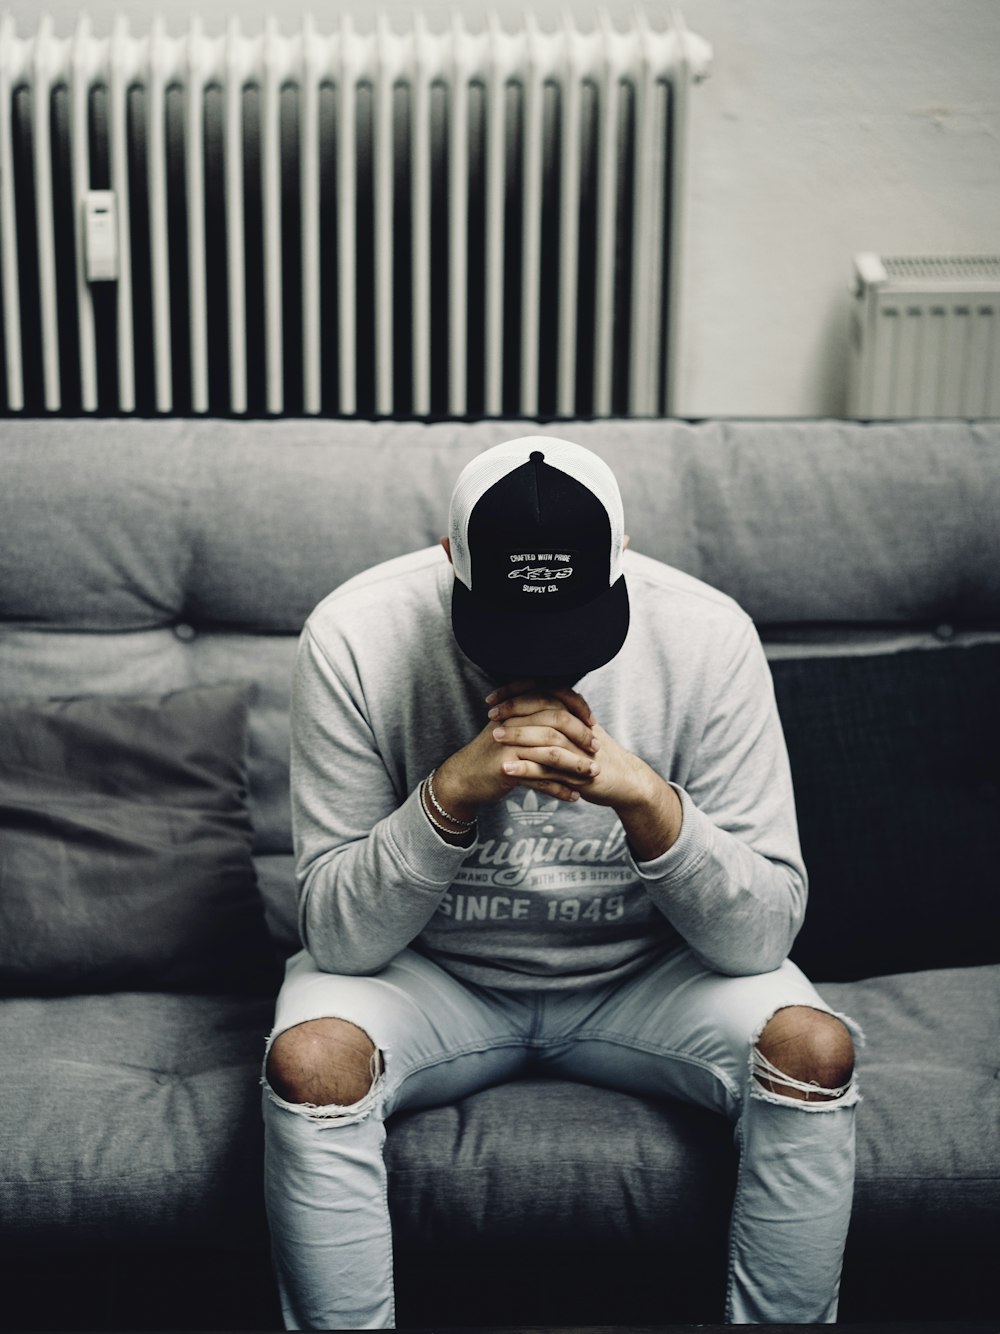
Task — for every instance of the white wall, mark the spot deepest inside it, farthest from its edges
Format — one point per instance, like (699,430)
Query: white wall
(827,129)
(824,129)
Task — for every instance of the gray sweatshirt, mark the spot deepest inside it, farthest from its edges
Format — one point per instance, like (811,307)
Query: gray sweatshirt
(550,895)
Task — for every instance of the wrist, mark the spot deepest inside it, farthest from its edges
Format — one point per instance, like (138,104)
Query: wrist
(453,796)
(651,814)
(461,833)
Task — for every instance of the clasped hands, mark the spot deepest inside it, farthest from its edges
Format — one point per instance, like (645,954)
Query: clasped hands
(547,738)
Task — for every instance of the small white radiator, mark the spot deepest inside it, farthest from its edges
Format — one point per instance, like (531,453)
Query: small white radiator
(925,337)
(424,224)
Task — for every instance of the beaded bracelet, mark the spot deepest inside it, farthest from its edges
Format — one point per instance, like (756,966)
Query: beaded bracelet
(445,815)
(442,829)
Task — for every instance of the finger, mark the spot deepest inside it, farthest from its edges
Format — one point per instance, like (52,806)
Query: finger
(571,699)
(551,787)
(510,689)
(528,710)
(551,763)
(576,703)
(546,729)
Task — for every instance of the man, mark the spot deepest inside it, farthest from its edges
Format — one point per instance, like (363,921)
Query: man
(543,813)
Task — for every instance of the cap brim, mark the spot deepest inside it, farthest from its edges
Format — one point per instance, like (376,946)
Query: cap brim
(564,643)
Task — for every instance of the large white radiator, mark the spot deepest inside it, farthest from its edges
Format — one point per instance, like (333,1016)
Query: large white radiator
(352,223)
(925,337)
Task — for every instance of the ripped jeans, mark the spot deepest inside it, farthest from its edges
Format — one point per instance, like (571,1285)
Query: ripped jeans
(674,1030)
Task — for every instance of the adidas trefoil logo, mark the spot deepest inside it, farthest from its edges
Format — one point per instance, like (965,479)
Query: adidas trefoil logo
(528,808)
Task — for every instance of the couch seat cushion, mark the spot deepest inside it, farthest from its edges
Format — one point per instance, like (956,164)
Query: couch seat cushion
(515,1162)
(928,1173)
(135,1119)
(132,1120)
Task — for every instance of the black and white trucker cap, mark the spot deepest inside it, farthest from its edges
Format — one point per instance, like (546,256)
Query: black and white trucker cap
(537,534)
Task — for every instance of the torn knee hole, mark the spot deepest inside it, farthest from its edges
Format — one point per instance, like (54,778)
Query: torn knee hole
(323,1063)
(805,1054)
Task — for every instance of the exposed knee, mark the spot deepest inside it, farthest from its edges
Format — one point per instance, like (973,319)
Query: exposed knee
(323,1062)
(809,1046)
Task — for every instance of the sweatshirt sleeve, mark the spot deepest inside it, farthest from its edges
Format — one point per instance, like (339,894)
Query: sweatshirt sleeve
(371,869)
(734,884)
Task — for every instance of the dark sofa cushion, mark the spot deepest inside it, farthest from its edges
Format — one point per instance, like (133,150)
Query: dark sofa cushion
(928,1172)
(896,764)
(654,1181)
(132,1120)
(126,846)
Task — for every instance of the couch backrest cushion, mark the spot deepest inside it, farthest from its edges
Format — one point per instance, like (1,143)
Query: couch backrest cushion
(127,525)
(896,764)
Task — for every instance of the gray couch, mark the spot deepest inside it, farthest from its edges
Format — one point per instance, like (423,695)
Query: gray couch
(144,557)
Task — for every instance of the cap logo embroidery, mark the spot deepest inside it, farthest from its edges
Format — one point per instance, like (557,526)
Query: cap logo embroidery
(540,572)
